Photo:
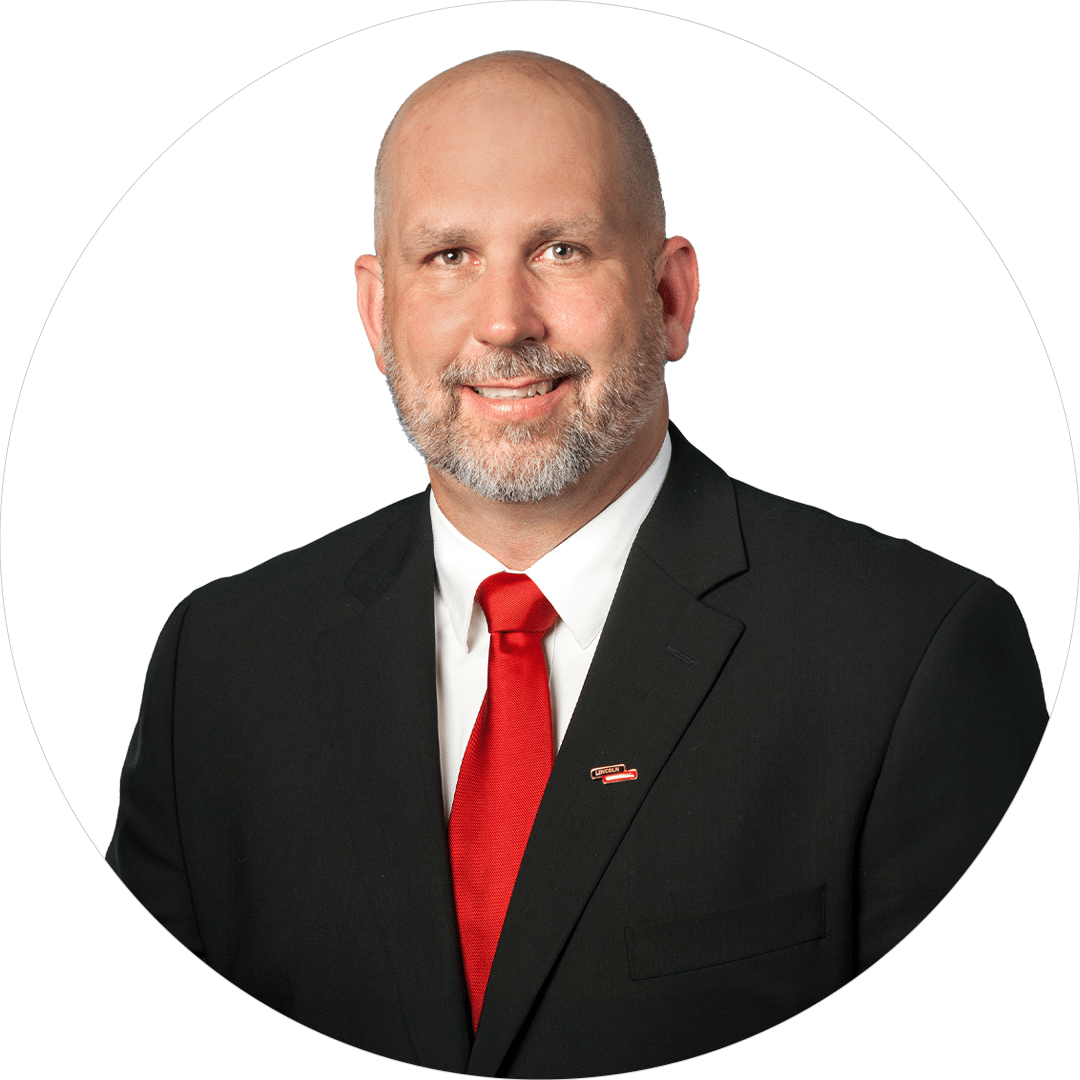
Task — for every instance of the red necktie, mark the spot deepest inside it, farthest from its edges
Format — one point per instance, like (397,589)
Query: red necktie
(503,773)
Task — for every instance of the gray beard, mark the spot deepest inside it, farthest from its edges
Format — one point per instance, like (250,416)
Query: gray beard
(561,452)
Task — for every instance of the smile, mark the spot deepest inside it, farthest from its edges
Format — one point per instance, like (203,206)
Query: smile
(535,389)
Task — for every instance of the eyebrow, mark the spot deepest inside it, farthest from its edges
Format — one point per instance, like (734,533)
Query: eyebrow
(585,225)
(444,238)
(439,238)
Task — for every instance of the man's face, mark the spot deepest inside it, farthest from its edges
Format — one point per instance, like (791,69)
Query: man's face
(522,332)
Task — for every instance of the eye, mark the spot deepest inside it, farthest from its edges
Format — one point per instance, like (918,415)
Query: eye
(561,252)
(451,257)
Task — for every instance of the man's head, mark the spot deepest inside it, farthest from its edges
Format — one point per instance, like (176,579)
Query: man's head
(523,300)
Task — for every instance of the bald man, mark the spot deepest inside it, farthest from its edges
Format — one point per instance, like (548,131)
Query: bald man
(589,758)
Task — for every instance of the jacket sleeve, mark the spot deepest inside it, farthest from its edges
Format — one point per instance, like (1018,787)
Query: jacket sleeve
(964,737)
(146,849)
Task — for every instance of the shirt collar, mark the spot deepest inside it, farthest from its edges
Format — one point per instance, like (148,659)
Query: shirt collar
(579,577)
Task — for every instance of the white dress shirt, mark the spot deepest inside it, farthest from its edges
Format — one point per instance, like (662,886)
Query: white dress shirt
(579,579)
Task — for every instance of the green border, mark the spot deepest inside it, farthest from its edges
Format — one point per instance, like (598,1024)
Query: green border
(985,91)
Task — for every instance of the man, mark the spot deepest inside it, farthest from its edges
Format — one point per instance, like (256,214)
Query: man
(591,759)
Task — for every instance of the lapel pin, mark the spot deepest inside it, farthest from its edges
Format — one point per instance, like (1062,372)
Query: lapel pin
(615,777)
(604,770)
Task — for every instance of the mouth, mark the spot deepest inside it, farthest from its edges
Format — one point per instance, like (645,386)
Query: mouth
(516,393)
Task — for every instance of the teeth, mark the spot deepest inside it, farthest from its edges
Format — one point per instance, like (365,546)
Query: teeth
(510,392)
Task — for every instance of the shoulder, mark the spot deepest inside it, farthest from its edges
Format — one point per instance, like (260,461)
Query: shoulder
(773,543)
(846,590)
(833,598)
(789,569)
(788,538)
(312,584)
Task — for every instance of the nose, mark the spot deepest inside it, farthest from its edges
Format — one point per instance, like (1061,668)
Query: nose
(507,308)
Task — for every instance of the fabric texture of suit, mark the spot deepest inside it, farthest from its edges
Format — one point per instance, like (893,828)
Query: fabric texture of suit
(827,725)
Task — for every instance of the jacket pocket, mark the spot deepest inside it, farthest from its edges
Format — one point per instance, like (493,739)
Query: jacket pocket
(737,933)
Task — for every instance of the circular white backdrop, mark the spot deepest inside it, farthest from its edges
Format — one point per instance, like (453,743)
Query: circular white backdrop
(203,397)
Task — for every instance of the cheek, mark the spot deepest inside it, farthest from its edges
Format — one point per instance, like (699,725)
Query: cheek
(596,325)
(430,334)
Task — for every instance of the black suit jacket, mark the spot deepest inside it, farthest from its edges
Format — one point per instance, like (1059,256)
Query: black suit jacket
(827,724)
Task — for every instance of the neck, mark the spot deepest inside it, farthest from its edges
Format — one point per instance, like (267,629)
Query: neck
(518,534)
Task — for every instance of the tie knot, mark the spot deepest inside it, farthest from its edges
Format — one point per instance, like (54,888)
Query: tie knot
(513,602)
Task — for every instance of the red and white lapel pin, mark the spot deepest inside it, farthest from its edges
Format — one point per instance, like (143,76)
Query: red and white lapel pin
(612,774)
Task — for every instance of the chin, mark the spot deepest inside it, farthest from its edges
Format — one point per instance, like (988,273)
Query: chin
(521,466)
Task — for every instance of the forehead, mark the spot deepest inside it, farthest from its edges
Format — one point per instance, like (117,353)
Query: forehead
(505,144)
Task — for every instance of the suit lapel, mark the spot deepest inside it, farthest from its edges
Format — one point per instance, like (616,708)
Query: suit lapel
(661,650)
(378,672)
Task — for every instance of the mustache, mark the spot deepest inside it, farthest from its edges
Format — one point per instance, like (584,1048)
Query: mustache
(525,359)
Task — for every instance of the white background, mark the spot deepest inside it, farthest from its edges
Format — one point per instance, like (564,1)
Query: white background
(202,396)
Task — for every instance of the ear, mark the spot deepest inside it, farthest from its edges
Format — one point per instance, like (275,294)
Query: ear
(676,271)
(369,301)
